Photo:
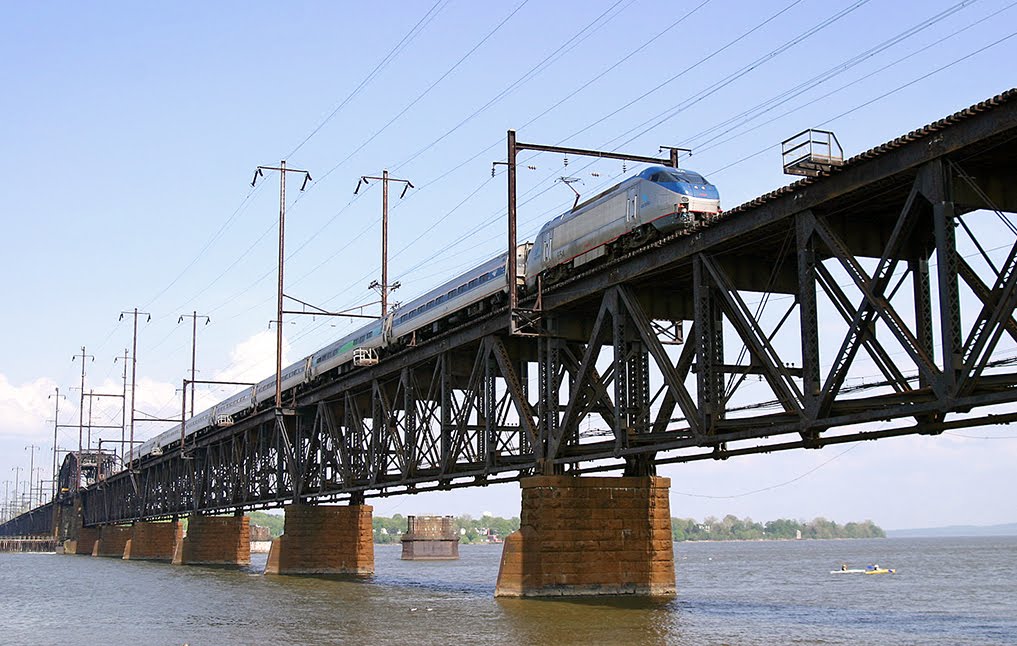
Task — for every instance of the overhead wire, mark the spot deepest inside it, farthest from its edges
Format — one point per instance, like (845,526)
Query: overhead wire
(900,87)
(381,65)
(565,47)
(392,54)
(662,118)
(427,90)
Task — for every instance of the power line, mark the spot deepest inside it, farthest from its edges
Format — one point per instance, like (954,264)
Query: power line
(771,487)
(878,98)
(530,74)
(392,54)
(666,116)
(427,90)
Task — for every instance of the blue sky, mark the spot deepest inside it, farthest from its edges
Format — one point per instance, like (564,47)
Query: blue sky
(131,132)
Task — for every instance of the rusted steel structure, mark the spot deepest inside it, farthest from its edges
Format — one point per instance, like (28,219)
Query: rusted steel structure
(863,269)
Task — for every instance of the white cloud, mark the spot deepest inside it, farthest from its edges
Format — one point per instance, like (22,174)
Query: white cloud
(24,408)
(253,359)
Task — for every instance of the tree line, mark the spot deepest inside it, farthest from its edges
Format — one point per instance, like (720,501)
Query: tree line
(745,529)
(730,527)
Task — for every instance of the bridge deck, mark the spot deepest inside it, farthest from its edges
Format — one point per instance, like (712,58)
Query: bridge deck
(868,253)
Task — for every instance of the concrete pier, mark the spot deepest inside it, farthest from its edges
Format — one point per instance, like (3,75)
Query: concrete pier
(214,540)
(430,538)
(153,541)
(324,540)
(590,536)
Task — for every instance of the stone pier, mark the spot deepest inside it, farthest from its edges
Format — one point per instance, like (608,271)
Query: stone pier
(112,540)
(214,540)
(430,538)
(77,538)
(153,541)
(83,542)
(590,536)
(324,540)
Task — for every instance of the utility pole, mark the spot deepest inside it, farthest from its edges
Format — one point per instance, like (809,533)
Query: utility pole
(88,434)
(17,475)
(123,409)
(194,345)
(384,287)
(31,468)
(56,424)
(134,367)
(81,412)
(520,320)
(258,172)
(31,483)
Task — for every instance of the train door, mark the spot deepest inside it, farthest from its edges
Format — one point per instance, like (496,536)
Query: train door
(632,205)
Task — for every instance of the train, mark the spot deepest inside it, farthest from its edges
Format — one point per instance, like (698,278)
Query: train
(657,201)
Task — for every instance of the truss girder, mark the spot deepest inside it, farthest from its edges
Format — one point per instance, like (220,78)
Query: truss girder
(478,405)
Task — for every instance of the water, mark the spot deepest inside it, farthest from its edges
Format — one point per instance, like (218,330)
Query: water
(947,591)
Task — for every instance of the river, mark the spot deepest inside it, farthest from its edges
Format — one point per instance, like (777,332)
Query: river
(946,591)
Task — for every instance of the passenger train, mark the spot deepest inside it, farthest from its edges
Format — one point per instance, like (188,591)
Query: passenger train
(658,200)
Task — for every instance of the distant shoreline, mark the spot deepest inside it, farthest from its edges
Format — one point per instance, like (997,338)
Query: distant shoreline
(955,531)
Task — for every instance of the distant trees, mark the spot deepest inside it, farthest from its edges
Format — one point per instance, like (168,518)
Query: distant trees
(732,528)
(274,522)
(470,530)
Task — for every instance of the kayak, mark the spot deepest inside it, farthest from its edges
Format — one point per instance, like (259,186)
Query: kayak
(880,570)
(872,569)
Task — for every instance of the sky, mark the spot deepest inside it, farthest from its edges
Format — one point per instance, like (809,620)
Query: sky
(131,133)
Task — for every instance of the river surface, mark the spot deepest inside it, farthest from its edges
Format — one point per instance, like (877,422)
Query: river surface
(946,591)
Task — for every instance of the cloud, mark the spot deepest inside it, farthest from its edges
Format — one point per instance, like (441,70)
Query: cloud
(253,359)
(25,408)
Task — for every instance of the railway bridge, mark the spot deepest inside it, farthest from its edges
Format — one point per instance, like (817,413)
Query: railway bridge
(750,334)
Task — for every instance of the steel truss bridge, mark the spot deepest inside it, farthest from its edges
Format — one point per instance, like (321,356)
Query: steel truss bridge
(752,334)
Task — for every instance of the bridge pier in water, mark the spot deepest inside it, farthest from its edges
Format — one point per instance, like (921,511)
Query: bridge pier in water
(324,540)
(430,538)
(111,541)
(153,541)
(78,539)
(590,536)
(214,540)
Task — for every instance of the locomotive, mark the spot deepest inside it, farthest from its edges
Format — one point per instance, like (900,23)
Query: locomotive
(657,201)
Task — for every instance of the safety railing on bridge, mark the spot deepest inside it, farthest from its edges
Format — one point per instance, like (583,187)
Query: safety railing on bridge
(811,152)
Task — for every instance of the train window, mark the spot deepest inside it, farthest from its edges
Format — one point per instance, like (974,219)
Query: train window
(689,177)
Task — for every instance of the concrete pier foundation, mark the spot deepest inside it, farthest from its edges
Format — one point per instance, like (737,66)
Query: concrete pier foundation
(324,540)
(430,538)
(590,536)
(152,541)
(112,540)
(214,540)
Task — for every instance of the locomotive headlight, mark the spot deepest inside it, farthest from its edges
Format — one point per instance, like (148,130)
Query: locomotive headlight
(685,200)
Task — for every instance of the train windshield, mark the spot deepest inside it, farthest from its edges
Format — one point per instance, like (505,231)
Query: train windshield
(683,176)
